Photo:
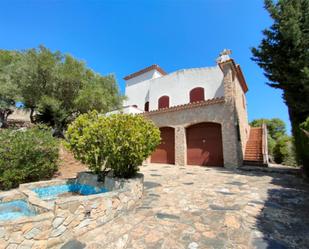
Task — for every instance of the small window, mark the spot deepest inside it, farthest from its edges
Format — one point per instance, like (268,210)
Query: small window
(197,94)
(164,102)
(134,106)
(146,106)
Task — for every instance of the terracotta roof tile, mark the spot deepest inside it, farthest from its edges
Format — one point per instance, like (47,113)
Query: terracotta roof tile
(187,106)
(145,70)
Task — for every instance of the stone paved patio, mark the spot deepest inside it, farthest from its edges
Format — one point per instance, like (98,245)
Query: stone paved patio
(196,207)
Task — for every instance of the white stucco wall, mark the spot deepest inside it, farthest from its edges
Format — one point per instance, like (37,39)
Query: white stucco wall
(177,86)
(137,89)
(126,110)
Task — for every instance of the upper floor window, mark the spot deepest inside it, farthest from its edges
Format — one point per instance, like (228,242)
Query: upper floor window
(197,94)
(146,106)
(164,102)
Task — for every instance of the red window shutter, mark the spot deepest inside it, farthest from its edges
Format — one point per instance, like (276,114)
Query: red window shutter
(164,102)
(197,94)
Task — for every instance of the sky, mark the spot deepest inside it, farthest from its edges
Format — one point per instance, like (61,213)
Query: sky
(124,36)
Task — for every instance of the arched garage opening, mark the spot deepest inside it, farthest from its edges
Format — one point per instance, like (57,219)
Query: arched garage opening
(165,152)
(204,144)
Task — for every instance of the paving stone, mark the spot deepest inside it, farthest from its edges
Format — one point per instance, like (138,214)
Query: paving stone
(11,246)
(193,245)
(57,222)
(32,233)
(214,243)
(73,244)
(221,209)
(224,208)
(166,216)
(57,232)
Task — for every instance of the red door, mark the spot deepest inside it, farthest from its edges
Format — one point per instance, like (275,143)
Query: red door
(165,152)
(204,145)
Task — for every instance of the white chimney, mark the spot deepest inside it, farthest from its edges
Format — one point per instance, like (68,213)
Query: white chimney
(224,56)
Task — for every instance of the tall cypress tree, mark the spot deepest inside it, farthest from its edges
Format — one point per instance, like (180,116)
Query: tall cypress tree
(284,56)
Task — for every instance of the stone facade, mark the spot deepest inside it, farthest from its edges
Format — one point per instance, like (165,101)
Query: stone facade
(68,217)
(229,113)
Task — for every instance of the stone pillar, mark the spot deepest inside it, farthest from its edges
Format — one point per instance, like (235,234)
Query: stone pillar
(180,146)
(229,75)
(231,146)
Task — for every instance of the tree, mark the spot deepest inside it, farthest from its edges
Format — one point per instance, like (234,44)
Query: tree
(34,76)
(8,91)
(284,56)
(57,87)
(275,126)
(279,143)
(304,139)
(100,94)
(281,149)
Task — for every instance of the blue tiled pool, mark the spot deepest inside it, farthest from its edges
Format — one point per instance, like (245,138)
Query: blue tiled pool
(52,192)
(15,209)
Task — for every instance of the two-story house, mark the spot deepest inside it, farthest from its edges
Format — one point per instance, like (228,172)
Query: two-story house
(201,113)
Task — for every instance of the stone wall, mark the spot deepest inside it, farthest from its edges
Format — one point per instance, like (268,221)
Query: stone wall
(68,217)
(217,113)
(230,114)
(242,114)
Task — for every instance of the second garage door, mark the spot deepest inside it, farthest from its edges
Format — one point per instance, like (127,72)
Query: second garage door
(204,144)
(165,152)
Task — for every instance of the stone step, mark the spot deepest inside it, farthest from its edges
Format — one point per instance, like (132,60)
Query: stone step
(253,162)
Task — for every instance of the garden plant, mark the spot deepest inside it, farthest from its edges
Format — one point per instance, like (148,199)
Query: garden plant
(119,142)
(27,156)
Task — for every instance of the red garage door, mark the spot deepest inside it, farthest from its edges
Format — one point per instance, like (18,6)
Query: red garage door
(204,145)
(165,152)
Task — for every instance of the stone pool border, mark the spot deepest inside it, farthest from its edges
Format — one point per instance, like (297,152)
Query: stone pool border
(69,217)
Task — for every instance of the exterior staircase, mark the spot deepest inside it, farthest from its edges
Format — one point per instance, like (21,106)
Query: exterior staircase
(255,148)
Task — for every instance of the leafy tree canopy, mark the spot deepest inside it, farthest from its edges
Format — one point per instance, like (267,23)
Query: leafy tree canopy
(283,54)
(280,145)
(275,126)
(8,90)
(57,87)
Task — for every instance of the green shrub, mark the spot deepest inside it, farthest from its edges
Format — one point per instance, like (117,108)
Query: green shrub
(26,156)
(281,149)
(303,145)
(119,142)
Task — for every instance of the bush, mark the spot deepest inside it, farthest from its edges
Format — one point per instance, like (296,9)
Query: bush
(303,145)
(26,156)
(281,149)
(119,142)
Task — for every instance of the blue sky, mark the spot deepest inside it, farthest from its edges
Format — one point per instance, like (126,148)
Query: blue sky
(123,36)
